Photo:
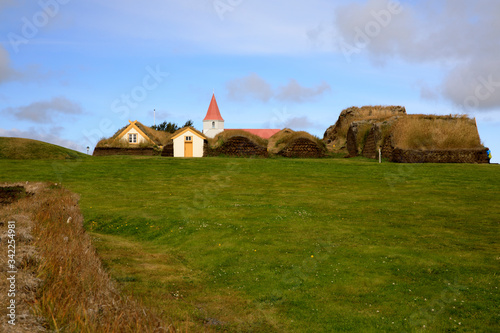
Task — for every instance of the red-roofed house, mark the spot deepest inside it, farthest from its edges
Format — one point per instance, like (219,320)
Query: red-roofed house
(213,123)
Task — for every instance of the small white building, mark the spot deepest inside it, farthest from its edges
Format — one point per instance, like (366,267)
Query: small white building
(188,142)
(213,123)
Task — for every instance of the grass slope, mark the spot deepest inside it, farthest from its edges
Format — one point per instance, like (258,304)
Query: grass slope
(27,149)
(293,245)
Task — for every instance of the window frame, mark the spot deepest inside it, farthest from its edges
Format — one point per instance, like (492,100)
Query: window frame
(132,138)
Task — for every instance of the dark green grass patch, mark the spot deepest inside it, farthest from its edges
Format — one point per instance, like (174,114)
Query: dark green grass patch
(27,149)
(293,244)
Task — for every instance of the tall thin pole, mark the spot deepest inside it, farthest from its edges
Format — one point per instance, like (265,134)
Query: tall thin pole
(154,116)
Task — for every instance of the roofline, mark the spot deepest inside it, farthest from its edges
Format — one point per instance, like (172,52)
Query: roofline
(182,131)
(133,125)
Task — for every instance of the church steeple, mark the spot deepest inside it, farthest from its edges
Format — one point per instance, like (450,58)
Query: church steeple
(213,112)
(213,123)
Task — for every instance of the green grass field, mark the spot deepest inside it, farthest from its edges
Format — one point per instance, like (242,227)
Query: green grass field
(293,245)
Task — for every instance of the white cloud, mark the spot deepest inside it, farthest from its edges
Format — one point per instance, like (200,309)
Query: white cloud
(294,92)
(255,87)
(251,86)
(301,123)
(460,35)
(429,93)
(7,73)
(44,111)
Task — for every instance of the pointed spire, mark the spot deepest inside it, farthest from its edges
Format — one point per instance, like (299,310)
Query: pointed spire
(213,112)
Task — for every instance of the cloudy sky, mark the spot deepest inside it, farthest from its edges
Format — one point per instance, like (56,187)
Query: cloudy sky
(72,72)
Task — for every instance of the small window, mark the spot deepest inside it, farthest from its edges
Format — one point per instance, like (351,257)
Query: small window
(132,138)
(188,138)
(213,124)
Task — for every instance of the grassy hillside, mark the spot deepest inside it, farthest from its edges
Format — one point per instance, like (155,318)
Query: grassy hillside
(27,149)
(292,245)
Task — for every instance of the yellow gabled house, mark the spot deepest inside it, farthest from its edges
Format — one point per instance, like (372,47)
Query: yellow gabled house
(138,134)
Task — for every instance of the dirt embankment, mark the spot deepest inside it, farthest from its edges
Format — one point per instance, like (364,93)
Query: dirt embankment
(60,283)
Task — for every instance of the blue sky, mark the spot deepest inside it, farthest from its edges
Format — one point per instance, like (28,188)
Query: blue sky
(74,71)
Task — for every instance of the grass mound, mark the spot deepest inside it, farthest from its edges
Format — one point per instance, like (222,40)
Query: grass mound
(27,149)
(224,136)
(236,143)
(287,137)
(427,132)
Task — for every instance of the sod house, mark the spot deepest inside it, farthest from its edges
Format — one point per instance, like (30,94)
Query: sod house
(133,139)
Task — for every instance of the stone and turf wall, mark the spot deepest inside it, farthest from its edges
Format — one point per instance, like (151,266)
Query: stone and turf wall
(110,151)
(236,146)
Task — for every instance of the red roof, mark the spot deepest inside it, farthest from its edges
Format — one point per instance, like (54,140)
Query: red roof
(265,133)
(213,111)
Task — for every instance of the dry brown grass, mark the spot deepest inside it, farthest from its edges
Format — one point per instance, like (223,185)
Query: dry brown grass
(376,112)
(76,294)
(222,137)
(429,132)
(160,136)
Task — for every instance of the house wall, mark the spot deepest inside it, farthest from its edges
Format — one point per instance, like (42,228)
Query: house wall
(212,132)
(197,145)
(140,138)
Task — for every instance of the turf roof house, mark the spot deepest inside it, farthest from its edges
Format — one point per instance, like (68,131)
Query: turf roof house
(138,134)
